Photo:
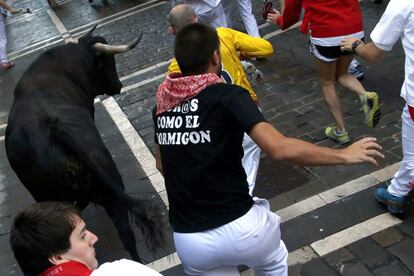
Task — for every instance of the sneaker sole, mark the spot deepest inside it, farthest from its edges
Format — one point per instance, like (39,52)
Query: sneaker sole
(340,142)
(375,113)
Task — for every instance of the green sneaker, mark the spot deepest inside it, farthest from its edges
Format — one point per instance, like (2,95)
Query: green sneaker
(371,109)
(341,138)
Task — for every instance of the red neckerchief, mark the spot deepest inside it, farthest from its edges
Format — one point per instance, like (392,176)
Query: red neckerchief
(411,110)
(176,89)
(67,269)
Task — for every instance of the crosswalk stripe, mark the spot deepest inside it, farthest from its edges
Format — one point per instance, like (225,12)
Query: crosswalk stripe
(354,233)
(337,193)
(141,83)
(338,240)
(148,69)
(137,146)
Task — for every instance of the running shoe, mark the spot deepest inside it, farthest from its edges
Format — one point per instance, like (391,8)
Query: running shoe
(370,107)
(395,204)
(355,70)
(253,74)
(6,65)
(341,138)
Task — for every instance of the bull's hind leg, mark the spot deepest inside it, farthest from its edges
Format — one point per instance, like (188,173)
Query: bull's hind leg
(119,216)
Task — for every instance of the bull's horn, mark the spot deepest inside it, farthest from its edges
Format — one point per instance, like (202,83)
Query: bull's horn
(116,49)
(89,33)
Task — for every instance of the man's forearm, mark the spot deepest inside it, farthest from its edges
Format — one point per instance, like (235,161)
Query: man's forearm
(3,4)
(369,52)
(303,153)
(280,147)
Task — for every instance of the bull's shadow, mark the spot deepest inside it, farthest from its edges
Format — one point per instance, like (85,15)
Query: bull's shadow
(54,147)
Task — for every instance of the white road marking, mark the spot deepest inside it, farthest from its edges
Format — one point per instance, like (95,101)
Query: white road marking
(301,255)
(354,233)
(106,21)
(44,43)
(14,55)
(280,31)
(148,69)
(141,83)
(137,145)
(337,193)
(58,24)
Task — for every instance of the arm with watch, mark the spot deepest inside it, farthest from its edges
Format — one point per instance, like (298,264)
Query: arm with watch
(367,51)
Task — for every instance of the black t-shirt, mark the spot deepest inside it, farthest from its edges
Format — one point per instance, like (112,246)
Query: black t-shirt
(201,150)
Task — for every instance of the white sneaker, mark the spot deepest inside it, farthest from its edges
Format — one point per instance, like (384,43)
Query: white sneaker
(252,72)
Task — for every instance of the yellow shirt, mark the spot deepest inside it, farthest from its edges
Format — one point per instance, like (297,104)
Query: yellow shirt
(231,42)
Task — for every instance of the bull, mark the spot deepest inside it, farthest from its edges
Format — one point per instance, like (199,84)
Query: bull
(53,145)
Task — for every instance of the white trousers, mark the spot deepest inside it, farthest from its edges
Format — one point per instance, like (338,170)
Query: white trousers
(214,17)
(3,40)
(250,161)
(252,240)
(246,13)
(403,181)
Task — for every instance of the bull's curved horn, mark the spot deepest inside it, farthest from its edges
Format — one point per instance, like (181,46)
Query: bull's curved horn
(116,49)
(89,33)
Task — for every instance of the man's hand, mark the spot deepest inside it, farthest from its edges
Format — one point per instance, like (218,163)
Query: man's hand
(13,11)
(364,150)
(346,43)
(272,16)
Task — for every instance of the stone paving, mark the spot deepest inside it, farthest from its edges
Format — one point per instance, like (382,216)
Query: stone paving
(290,99)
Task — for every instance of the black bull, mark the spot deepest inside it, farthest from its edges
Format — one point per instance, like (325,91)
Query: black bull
(54,147)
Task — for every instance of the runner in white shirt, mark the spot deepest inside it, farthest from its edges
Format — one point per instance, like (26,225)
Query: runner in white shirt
(396,23)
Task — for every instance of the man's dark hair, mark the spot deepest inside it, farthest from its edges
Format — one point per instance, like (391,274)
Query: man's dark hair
(194,46)
(40,232)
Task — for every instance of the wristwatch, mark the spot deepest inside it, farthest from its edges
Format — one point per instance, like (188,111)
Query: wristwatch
(355,44)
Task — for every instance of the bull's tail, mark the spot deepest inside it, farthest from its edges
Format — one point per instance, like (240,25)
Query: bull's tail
(83,140)
(149,218)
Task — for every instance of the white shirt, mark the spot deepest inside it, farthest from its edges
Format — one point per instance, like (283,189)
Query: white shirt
(124,267)
(201,6)
(398,22)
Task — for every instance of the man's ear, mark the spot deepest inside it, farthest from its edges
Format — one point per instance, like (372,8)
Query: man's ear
(56,259)
(216,59)
(171,30)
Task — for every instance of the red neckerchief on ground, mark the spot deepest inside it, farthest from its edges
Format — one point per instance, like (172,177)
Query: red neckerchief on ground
(176,89)
(67,269)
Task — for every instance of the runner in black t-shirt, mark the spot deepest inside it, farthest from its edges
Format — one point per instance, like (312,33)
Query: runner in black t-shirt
(199,125)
